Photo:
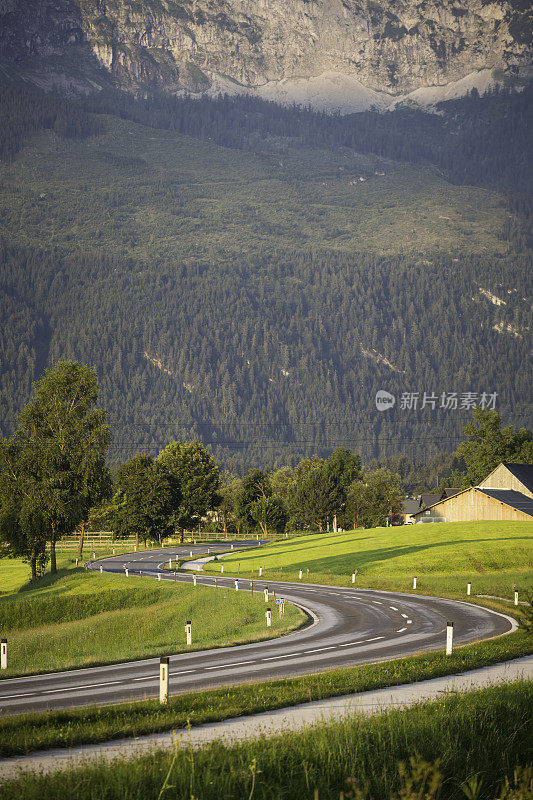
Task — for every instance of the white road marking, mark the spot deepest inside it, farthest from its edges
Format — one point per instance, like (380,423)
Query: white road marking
(182,672)
(374,639)
(405,616)
(393,608)
(350,644)
(320,649)
(401,630)
(276,658)
(409,621)
(377,602)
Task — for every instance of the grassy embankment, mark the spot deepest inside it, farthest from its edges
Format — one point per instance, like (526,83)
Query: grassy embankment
(494,556)
(83,618)
(478,737)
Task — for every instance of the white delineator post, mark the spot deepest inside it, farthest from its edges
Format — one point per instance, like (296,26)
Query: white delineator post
(265,590)
(113,551)
(3,654)
(94,555)
(101,568)
(468,588)
(158,576)
(188,631)
(194,580)
(353,577)
(260,571)
(236,585)
(127,572)
(170,563)
(516,598)
(232,547)
(414,583)
(300,575)
(449,638)
(222,568)
(268,616)
(163,679)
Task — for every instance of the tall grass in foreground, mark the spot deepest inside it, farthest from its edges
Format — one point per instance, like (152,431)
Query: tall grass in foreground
(477,738)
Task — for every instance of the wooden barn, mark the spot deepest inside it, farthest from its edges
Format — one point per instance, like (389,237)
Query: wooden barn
(505,494)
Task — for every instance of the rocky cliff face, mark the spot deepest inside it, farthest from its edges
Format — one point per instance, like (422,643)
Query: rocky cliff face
(393,46)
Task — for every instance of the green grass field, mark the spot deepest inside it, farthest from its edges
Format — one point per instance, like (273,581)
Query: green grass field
(494,556)
(83,618)
(15,573)
(484,734)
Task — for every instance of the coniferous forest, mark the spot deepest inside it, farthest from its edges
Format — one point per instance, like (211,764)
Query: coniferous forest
(251,276)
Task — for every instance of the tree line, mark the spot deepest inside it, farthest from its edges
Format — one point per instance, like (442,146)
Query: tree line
(54,478)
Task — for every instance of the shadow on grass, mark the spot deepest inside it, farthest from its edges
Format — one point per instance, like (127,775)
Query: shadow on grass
(368,558)
(49,580)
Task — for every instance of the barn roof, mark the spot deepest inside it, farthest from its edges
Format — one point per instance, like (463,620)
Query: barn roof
(427,500)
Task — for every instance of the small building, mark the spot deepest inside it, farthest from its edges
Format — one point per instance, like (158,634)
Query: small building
(409,507)
(505,494)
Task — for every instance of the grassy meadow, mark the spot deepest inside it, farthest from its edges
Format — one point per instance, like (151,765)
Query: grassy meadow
(83,618)
(462,739)
(494,556)
(15,573)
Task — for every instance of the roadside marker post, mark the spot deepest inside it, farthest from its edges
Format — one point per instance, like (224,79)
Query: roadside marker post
(236,585)
(101,568)
(353,577)
(252,586)
(414,583)
(113,551)
(170,563)
(158,576)
(449,638)
(188,631)
(300,575)
(191,554)
(260,571)
(232,547)
(135,548)
(265,590)
(516,598)
(127,573)
(3,654)
(268,616)
(280,602)
(163,679)
(468,588)
(194,580)
(94,555)
(222,568)
(77,561)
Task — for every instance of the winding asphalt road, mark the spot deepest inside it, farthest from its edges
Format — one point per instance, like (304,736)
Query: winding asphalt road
(346,627)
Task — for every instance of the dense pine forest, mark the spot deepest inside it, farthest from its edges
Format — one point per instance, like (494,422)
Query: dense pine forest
(250,276)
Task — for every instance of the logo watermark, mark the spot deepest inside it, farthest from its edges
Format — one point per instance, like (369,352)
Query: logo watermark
(447,401)
(384,400)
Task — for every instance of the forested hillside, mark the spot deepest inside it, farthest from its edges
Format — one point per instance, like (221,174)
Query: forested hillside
(251,276)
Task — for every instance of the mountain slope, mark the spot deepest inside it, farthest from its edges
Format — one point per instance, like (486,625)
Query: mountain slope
(257,299)
(392,48)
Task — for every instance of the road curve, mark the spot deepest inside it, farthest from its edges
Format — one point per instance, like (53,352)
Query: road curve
(347,626)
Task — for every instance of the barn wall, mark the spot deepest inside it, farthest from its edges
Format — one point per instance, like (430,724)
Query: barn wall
(471,506)
(501,478)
